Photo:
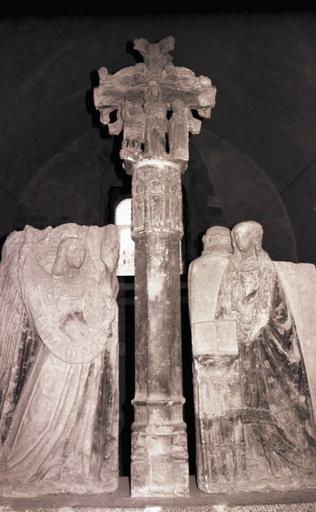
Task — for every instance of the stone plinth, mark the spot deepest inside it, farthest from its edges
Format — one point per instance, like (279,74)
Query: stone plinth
(120,500)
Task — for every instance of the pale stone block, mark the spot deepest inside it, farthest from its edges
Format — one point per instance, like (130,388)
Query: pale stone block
(299,282)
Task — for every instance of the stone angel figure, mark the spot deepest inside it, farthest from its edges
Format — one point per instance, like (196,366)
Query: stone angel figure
(63,430)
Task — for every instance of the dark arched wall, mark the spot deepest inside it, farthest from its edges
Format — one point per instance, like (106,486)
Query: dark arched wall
(58,166)
(241,189)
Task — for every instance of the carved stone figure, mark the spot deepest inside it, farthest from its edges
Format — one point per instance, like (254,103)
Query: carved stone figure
(181,123)
(62,432)
(141,96)
(134,131)
(156,122)
(255,419)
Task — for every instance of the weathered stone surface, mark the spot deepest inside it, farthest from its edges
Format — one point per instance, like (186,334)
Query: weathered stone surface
(153,102)
(299,283)
(59,403)
(254,416)
(120,500)
(159,446)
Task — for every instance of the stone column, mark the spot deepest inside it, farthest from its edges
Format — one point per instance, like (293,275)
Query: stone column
(159,445)
(153,102)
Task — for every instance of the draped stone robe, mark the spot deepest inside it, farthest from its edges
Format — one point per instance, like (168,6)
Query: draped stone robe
(265,434)
(63,430)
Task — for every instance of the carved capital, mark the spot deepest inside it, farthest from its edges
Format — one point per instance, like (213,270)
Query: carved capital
(157,198)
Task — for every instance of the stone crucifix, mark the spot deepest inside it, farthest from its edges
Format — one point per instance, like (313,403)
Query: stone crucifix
(152,103)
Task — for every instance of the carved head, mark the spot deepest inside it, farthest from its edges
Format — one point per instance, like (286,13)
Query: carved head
(71,252)
(247,235)
(217,239)
(153,90)
(178,106)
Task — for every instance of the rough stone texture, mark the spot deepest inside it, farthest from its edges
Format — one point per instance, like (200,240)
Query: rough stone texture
(120,500)
(143,95)
(153,103)
(250,331)
(299,283)
(159,445)
(59,361)
(296,507)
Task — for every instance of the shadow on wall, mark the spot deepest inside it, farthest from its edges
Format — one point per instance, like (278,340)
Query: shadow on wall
(300,199)
(72,186)
(224,186)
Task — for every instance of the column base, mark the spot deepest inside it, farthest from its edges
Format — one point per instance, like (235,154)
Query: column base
(159,461)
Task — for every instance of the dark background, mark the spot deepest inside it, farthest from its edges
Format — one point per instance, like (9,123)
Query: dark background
(255,158)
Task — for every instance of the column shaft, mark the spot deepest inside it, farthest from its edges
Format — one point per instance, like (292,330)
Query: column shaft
(159,446)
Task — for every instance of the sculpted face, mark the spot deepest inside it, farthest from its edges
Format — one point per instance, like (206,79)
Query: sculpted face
(178,106)
(75,254)
(243,239)
(247,235)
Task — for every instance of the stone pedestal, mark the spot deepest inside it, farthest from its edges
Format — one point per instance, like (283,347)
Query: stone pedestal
(120,501)
(159,447)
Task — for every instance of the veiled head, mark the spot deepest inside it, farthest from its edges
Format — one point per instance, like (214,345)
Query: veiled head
(217,238)
(247,235)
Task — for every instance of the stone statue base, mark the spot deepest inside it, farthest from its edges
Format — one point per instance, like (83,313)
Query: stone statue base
(287,501)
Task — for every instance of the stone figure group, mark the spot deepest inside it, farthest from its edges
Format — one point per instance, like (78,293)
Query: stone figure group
(152,104)
(154,128)
(252,338)
(253,328)
(254,416)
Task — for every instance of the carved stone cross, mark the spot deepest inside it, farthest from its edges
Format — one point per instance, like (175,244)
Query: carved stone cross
(152,103)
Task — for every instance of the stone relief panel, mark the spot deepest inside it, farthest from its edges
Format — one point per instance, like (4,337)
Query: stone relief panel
(59,417)
(157,202)
(253,395)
